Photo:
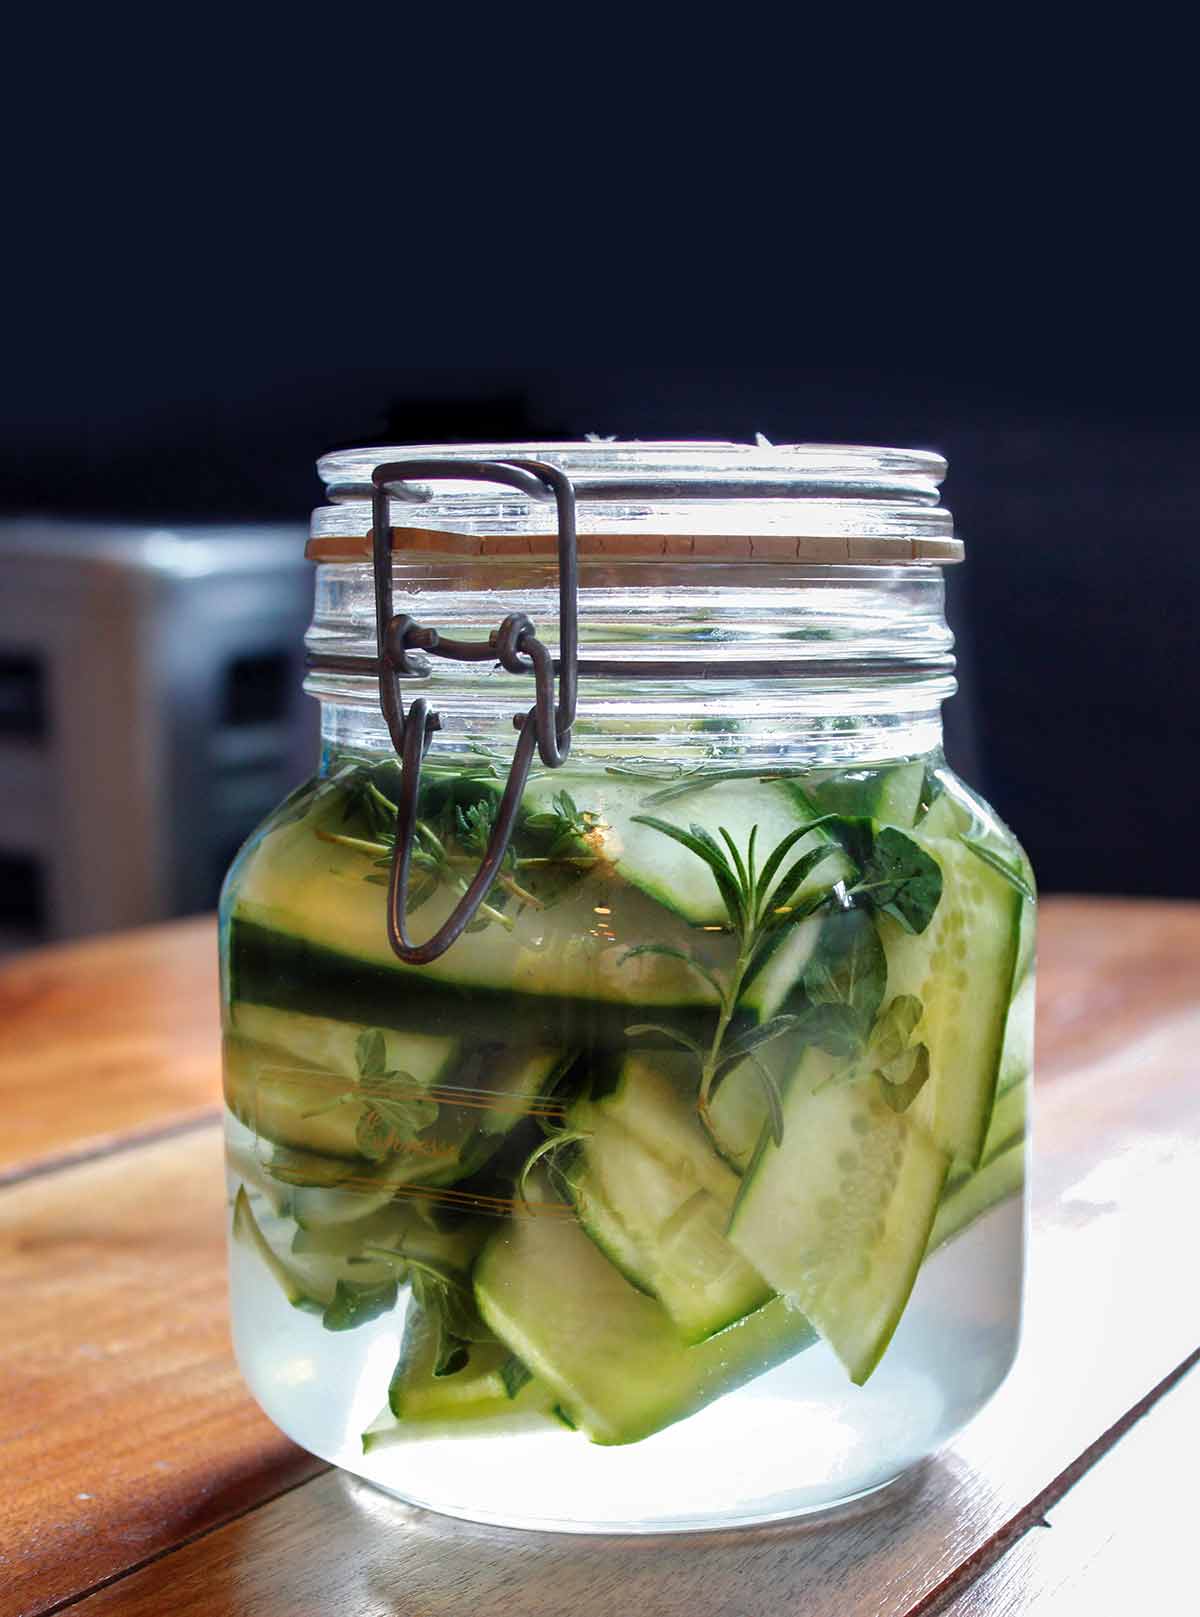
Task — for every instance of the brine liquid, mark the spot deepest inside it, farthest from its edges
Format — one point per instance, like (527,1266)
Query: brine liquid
(799,1438)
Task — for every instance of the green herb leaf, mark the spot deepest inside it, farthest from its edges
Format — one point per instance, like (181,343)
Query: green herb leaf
(699,778)
(450,1305)
(646,769)
(372,1136)
(848,973)
(639,1029)
(771,1095)
(356,1305)
(698,841)
(671,953)
(893,1029)
(781,912)
(565,827)
(754,1037)
(1010,873)
(557,1154)
(775,858)
(370,1052)
(901,1094)
(473,826)
(836,1029)
(400,1102)
(900,878)
(740,868)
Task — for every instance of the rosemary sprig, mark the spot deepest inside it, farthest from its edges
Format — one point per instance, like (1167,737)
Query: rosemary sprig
(758,902)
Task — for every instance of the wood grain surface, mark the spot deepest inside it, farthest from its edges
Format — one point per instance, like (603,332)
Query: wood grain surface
(105,1039)
(125,1424)
(1108,1326)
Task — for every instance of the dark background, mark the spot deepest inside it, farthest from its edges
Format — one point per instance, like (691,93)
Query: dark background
(1075,486)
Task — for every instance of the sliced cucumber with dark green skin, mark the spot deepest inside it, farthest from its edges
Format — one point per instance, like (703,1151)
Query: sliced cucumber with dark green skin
(656,1197)
(280,1099)
(671,874)
(945,817)
(291,973)
(397,1229)
(779,976)
(837,1216)
(489,1383)
(978,1193)
(470,1128)
(610,1355)
(961,969)
(333,1045)
(889,793)
(286,1075)
(298,886)
(1016,1058)
(1009,1120)
(246,1230)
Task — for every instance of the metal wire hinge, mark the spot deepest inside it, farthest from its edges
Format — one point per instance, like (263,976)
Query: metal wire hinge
(547,724)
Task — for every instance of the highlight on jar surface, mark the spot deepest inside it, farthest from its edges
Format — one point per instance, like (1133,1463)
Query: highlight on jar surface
(720,1065)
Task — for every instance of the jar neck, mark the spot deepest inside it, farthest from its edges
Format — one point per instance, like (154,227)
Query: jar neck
(808,667)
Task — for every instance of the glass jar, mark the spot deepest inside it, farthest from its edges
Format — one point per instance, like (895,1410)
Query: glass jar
(685,1187)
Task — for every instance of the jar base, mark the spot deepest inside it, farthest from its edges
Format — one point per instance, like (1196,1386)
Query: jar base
(810,1515)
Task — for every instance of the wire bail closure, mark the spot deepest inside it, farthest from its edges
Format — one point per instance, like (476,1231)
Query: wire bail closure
(547,724)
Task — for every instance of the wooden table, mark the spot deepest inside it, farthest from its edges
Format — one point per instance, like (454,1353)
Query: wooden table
(138,1477)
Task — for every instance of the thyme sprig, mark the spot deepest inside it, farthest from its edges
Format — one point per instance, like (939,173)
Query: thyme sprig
(450,840)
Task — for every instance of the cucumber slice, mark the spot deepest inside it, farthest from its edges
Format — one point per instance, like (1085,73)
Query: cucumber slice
(961,969)
(738,1110)
(290,973)
(1016,1058)
(399,1228)
(283,1100)
(998,1179)
(611,1356)
(656,1197)
(945,817)
(1009,1120)
(772,984)
(516,1419)
(891,794)
(674,876)
(246,1230)
(837,1218)
(298,1108)
(299,887)
(322,1041)
(488,1384)
(285,1073)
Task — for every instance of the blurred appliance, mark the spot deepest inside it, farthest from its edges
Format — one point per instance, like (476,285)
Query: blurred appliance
(151,712)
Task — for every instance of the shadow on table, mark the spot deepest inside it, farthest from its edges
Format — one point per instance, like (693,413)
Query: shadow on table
(411,1560)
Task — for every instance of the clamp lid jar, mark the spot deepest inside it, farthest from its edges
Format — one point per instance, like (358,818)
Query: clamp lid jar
(626,1110)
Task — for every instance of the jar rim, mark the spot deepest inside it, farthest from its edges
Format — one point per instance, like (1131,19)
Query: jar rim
(673,468)
(649,501)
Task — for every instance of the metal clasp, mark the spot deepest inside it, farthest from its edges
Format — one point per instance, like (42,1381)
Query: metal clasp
(547,724)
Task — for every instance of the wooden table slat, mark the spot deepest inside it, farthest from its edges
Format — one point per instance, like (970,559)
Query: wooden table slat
(107,1039)
(1109,1318)
(125,1425)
